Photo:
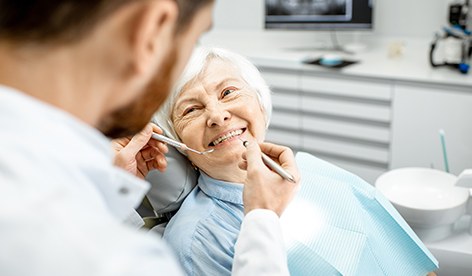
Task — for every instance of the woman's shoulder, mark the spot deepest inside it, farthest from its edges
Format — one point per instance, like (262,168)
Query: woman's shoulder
(184,232)
(196,208)
(201,216)
(202,234)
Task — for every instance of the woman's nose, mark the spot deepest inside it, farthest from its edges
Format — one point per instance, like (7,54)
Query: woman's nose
(217,116)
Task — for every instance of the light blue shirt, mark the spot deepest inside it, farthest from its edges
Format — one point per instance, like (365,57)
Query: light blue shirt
(204,230)
(337,225)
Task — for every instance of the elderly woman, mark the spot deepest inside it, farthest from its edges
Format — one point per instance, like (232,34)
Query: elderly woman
(220,101)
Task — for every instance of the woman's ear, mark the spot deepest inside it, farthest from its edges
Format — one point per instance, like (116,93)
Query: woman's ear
(266,118)
(152,34)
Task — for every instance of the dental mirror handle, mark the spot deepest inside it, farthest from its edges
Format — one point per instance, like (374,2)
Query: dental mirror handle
(177,144)
(277,168)
(169,141)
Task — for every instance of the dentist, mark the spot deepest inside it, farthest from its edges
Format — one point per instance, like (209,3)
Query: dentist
(73,73)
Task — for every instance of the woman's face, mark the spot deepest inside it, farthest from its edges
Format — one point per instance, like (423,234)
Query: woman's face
(217,110)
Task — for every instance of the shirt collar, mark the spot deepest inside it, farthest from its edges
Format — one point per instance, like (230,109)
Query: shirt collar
(222,190)
(85,150)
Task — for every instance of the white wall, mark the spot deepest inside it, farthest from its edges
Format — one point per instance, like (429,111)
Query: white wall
(416,18)
(410,17)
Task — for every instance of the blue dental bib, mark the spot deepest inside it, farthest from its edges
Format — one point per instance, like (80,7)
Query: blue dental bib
(338,224)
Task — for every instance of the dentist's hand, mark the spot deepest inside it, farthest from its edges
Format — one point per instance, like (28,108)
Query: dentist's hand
(140,154)
(263,188)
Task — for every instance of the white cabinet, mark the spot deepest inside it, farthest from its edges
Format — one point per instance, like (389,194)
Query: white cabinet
(347,122)
(342,120)
(419,111)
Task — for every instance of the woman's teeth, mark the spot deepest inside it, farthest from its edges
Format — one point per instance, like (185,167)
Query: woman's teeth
(227,136)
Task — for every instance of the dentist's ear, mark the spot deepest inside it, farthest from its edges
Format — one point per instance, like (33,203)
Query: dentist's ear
(153,33)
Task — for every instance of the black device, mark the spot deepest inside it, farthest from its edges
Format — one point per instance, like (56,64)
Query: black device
(459,19)
(458,13)
(319,14)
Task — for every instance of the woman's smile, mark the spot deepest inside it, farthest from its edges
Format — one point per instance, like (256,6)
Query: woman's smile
(227,138)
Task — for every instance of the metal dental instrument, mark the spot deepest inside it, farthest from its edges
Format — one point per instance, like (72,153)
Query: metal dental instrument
(273,165)
(176,144)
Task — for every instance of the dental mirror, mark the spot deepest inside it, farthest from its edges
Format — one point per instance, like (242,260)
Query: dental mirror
(177,144)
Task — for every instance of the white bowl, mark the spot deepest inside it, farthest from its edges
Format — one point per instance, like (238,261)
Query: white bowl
(426,198)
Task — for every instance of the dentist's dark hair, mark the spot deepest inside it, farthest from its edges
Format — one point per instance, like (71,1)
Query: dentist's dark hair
(68,21)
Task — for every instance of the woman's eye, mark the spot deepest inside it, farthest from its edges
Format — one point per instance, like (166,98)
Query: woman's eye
(189,110)
(227,91)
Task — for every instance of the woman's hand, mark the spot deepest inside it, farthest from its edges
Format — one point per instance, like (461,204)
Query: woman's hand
(265,189)
(140,154)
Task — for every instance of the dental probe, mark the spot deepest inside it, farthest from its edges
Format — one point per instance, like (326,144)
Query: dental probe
(273,165)
(176,144)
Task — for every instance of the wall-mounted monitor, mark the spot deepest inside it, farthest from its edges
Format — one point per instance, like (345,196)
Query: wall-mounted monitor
(319,14)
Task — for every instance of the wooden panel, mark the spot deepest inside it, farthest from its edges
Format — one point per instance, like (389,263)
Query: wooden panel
(346,87)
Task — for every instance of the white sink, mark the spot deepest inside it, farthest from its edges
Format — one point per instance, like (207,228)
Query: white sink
(426,198)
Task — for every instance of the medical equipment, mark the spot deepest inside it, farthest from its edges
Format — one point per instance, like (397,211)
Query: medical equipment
(457,39)
(427,199)
(178,145)
(460,14)
(273,165)
(455,252)
(421,195)
(463,47)
(465,180)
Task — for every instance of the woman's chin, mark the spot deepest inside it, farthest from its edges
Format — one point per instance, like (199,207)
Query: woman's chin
(227,153)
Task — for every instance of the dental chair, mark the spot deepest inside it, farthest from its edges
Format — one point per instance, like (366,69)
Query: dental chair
(168,191)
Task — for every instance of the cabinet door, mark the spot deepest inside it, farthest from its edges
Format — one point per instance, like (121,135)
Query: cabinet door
(285,123)
(419,112)
(347,122)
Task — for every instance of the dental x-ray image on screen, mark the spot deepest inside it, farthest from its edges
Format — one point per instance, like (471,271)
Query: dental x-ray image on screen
(318,14)
(311,9)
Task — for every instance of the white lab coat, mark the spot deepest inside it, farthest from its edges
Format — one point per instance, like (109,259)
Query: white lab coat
(260,247)
(63,203)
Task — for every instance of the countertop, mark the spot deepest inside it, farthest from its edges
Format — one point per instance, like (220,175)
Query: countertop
(286,50)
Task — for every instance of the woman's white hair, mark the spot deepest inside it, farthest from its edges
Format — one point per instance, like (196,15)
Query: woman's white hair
(198,62)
